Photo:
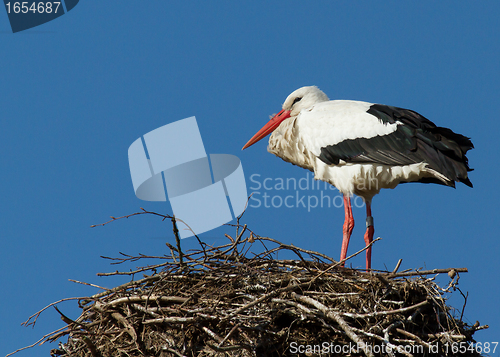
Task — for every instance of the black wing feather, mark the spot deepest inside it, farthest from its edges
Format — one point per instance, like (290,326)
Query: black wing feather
(416,140)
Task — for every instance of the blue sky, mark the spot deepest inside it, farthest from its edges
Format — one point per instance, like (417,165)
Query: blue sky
(77,91)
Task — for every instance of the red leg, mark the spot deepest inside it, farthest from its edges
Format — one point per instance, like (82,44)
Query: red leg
(348,226)
(370,230)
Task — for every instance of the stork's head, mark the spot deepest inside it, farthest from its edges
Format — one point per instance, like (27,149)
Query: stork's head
(300,99)
(303,98)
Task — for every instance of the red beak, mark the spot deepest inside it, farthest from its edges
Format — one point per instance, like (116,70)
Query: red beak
(268,128)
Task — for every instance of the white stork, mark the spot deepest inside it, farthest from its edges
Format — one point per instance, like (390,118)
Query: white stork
(361,147)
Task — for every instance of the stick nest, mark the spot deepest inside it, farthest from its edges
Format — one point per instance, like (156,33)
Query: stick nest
(226,301)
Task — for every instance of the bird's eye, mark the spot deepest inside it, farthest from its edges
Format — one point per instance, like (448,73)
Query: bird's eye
(296,100)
